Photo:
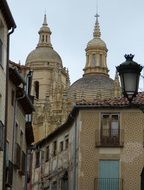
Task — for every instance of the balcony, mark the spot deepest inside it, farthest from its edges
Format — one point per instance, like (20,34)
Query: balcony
(108,184)
(110,138)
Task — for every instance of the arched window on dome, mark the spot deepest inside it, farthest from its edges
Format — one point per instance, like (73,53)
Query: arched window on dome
(42,38)
(100,59)
(36,89)
(94,59)
(46,38)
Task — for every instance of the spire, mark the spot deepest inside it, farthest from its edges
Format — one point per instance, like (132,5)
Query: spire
(97,33)
(45,20)
(44,34)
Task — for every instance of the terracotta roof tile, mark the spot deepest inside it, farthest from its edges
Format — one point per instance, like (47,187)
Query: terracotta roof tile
(113,102)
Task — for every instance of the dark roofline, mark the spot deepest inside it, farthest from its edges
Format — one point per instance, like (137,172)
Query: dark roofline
(7,14)
(114,103)
(16,77)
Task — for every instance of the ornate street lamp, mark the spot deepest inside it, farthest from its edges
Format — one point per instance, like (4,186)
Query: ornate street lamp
(129,73)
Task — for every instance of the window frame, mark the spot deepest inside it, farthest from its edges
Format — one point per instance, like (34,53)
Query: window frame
(110,135)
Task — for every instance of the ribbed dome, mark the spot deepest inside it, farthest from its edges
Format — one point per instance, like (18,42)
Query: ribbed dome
(46,54)
(91,87)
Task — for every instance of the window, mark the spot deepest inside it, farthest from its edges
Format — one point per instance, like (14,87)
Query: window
(37,158)
(46,38)
(36,89)
(100,59)
(7,153)
(17,161)
(94,59)
(42,38)
(110,129)
(66,141)
(42,156)
(61,146)
(1,53)
(16,132)
(108,175)
(21,139)
(54,148)
(9,174)
(12,97)
(47,153)
(23,159)
(64,181)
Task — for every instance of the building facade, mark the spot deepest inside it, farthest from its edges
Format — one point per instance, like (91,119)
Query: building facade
(19,126)
(7,24)
(99,147)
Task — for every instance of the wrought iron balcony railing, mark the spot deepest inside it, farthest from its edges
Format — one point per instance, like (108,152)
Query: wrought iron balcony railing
(108,184)
(110,137)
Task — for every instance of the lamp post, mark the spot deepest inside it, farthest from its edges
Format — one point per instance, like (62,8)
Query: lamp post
(129,73)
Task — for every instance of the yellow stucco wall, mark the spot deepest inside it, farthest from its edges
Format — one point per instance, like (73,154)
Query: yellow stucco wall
(131,155)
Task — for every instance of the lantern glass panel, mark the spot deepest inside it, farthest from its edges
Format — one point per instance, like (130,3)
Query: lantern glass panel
(130,80)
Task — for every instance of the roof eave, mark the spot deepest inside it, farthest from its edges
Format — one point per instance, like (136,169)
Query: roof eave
(7,14)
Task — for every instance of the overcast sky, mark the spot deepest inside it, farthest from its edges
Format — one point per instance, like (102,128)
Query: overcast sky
(72,23)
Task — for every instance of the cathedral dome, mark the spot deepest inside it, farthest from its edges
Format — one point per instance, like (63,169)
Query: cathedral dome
(44,51)
(43,54)
(92,87)
(95,83)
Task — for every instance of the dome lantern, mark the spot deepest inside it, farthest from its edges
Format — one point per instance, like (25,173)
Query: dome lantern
(44,34)
(96,53)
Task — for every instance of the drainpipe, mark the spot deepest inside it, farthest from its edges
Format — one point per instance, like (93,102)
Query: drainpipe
(6,108)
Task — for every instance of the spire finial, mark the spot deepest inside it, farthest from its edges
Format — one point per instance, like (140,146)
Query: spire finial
(97,32)
(45,20)
(96,7)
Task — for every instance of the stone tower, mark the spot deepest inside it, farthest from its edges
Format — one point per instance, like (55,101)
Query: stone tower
(49,85)
(95,83)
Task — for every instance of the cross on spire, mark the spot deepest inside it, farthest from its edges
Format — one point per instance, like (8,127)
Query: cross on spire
(97,32)
(97,15)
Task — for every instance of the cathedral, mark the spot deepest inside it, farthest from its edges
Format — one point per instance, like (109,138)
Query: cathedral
(54,97)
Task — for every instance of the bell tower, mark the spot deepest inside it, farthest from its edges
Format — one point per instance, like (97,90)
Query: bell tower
(49,84)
